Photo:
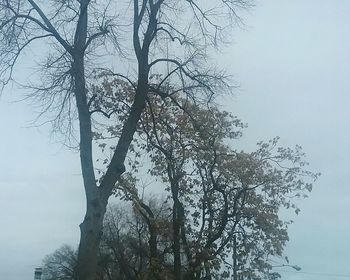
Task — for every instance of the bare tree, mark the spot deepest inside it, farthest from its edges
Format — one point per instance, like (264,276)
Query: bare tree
(60,264)
(170,34)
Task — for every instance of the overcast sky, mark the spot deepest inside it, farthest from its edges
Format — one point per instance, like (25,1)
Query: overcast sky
(292,61)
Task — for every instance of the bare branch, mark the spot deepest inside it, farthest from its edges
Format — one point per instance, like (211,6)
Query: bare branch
(50,27)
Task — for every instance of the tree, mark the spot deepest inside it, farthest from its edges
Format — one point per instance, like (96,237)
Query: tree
(137,245)
(75,31)
(124,250)
(60,264)
(225,202)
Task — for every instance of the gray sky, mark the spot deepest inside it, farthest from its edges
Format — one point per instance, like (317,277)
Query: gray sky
(293,65)
(292,62)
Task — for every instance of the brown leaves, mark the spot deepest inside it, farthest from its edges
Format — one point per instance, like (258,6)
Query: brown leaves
(186,146)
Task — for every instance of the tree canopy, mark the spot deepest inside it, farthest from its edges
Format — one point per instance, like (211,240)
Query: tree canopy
(219,203)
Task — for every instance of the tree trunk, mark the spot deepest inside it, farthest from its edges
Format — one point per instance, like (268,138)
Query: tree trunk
(97,197)
(91,227)
(176,245)
(91,232)
(154,260)
(178,217)
(154,265)
(234,258)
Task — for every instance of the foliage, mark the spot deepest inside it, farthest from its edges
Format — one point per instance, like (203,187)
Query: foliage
(226,202)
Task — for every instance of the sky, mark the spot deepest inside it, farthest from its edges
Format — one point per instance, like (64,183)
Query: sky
(292,63)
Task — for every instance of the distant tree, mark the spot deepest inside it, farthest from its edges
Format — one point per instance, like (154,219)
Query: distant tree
(60,264)
(169,34)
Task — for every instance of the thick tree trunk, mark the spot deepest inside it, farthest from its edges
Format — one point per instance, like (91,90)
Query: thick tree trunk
(91,227)
(91,232)
(97,197)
